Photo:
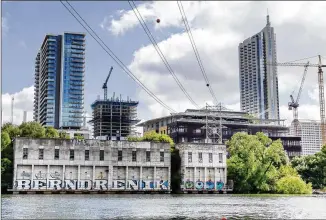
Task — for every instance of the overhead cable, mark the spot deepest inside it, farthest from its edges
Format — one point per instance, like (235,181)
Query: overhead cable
(114,57)
(193,44)
(158,50)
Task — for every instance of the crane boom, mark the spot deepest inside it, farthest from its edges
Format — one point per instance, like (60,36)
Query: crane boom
(104,87)
(302,82)
(321,92)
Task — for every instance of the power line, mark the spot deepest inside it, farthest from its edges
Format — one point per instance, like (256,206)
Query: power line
(158,50)
(114,57)
(193,44)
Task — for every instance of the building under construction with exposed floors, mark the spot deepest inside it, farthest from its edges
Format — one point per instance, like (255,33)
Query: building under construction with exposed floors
(114,118)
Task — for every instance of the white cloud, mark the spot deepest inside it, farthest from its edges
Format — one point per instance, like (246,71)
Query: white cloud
(218,28)
(22,43)
(4,25)
(23,101)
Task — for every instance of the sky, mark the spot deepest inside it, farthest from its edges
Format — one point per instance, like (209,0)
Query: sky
(217,28)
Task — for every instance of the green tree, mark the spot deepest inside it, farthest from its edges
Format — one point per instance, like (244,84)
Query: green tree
(32,130)
(11,129)
(5,140)
(154,137)
(258,164)
(253,162)
(5,163)
(51,132)
(63,135)
(293,185)
(312,168)
(78,137)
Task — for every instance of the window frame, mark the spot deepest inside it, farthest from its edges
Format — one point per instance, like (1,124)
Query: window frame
(148,156)
(25,153)
(71,154)
(120,157)
(56,157)
(162,156)
(101,155)
(41,154)
(134,156)
(86,155)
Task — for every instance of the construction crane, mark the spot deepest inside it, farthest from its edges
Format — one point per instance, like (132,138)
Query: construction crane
(321,92)
(294,104)
(105,87)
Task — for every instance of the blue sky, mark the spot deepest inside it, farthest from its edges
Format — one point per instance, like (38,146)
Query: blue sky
(217,27)
(29,22)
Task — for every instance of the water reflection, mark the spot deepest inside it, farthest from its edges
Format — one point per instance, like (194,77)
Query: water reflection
(161,207)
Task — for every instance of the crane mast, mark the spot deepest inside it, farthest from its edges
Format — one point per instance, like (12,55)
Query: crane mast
(105,87)
(322,101)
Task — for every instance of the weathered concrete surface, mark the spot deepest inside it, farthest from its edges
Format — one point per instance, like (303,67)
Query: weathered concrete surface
(203,167)
(66,172)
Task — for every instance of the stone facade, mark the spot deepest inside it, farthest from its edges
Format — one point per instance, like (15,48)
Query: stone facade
(90,165)
(203,167)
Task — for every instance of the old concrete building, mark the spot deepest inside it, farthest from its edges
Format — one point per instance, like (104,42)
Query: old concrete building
(203,167)
(90,165)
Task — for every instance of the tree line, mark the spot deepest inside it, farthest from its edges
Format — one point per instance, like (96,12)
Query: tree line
(27,129)
(256,163)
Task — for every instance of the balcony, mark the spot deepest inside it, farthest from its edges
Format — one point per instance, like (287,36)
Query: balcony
(78,60)
(79,74)
(76,55)
(77,79)
(73,46)
(78,42)
(76,111)
(78,65)
(76,93)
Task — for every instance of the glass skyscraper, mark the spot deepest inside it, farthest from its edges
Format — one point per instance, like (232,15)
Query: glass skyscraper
(59,81)
(258,80)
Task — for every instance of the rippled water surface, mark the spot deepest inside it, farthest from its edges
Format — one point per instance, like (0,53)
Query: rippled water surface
(162,207)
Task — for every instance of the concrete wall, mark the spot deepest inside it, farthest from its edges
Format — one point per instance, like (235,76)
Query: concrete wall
(206,173)
(93,174)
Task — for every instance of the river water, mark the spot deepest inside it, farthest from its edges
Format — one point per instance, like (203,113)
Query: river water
(101,206)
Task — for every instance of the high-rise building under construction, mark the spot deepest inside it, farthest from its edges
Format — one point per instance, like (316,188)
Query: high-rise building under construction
(114,118)
(258,80)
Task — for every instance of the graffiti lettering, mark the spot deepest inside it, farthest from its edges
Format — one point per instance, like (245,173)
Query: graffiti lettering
(189,184)
(25,174)
(85,184)
(23,184)
(56,184)
(55,175)
(101,184)
(199,185)
(39,184)
(209,185)
(71,184)
(40,175)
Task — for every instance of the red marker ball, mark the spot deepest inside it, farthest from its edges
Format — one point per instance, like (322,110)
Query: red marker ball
(158,20)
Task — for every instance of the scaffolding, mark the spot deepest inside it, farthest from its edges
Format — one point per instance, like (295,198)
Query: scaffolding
(114,118)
